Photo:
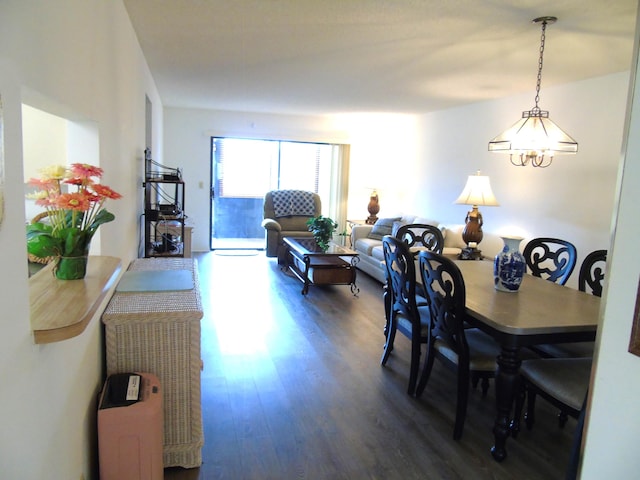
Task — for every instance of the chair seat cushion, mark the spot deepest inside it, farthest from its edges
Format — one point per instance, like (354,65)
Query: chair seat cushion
(566,379)
(566,350)
(483,351)
(404,324)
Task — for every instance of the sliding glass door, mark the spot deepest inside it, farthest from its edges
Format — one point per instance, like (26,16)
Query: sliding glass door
(243,170)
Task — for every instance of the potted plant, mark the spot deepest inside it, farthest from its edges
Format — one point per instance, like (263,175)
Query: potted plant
(322,229)
(71,218)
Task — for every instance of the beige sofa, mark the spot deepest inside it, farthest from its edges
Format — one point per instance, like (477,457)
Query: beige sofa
(372,257)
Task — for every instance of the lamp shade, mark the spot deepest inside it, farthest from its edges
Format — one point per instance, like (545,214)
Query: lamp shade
(477,191)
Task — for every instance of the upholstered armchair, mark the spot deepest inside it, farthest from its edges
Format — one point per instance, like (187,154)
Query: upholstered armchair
(285,215)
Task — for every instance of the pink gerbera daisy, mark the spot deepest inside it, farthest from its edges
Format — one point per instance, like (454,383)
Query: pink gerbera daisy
(84,170)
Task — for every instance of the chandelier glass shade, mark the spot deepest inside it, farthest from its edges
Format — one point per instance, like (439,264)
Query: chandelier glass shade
(534,139)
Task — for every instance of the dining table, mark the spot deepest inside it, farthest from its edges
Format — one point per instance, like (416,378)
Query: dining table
(540,312)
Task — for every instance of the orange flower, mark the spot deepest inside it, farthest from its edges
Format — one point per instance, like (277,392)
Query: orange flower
(75,181)
(73,201)
(105,191)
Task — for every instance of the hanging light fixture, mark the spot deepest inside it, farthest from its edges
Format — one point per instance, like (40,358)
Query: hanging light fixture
(534,139)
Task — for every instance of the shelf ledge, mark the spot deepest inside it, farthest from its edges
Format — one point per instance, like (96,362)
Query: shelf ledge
(62,309)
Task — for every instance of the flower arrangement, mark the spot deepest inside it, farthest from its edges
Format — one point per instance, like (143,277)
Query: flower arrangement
(70,218)
(322,229)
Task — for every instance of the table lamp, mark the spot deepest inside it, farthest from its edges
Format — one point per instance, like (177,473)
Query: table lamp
(476,192)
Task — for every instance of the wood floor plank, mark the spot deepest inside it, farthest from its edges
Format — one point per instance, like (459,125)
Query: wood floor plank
(292,388)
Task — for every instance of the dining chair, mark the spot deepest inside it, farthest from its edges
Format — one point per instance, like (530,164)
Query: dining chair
(591,275)
(401,310)
(550,258)
(421,235)
(590,280)
(469,351)
(561,381)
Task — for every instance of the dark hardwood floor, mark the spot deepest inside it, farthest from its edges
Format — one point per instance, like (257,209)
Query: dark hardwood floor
(292,388)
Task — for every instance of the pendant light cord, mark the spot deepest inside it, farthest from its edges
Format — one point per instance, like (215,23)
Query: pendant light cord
(539,79)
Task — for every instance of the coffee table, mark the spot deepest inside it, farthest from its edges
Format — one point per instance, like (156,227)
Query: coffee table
(312,266)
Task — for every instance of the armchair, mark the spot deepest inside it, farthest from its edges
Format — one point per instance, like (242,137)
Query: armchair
(285,215)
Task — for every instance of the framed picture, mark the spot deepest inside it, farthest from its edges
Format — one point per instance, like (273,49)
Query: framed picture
(634,343)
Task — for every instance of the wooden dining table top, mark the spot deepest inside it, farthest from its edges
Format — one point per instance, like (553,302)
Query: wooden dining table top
(538,307)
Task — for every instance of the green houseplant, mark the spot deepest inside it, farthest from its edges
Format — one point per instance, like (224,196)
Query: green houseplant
(322,229)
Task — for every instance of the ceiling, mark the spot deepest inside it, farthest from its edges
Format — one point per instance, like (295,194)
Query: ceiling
(404,56)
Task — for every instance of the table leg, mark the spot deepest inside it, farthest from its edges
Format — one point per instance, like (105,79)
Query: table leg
(507,380)
(307,264)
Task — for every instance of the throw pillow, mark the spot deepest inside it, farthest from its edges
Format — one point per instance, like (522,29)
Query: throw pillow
(396,226)
(382,227)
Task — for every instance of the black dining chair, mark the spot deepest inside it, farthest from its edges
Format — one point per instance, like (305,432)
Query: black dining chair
(561,381)
(591,275)
(550,258)
(401,309)
(421,236)
(470,352)
(590,280)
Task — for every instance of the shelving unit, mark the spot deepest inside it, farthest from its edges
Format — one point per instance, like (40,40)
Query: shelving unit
(164,217)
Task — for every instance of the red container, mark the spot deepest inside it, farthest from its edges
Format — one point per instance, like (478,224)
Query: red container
(130,428)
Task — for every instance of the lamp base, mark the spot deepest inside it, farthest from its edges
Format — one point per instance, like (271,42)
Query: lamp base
(469,253)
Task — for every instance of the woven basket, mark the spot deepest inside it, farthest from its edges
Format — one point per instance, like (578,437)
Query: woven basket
(32,258)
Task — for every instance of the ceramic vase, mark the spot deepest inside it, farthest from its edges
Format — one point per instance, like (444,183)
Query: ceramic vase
(509,266)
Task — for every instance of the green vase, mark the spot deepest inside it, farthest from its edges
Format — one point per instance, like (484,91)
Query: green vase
(71,268)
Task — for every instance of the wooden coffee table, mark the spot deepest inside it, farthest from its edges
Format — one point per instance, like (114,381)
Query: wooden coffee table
(312,266)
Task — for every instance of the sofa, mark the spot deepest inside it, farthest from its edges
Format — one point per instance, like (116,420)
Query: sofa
(367,241)
(285,215)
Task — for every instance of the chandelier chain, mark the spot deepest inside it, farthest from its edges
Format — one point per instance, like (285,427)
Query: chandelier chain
(539,78)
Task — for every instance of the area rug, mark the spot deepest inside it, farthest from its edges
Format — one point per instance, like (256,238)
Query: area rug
(236,253)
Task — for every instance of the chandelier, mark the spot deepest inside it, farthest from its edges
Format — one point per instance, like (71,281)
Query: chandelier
(534,139)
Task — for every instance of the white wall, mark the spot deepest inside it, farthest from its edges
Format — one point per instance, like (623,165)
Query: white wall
(612,424)
(376,140)
(78,59)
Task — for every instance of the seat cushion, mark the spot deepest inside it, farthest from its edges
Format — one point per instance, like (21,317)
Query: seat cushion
(404,324)
(366,245)
(566,350)
(483,351)
(378,253)
(566,379)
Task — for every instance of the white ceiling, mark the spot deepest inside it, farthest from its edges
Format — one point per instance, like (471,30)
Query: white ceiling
(333,56)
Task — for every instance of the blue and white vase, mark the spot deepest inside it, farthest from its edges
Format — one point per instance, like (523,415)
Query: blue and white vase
(509,266)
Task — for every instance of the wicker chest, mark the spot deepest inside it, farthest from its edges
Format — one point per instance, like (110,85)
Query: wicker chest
(159,332)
